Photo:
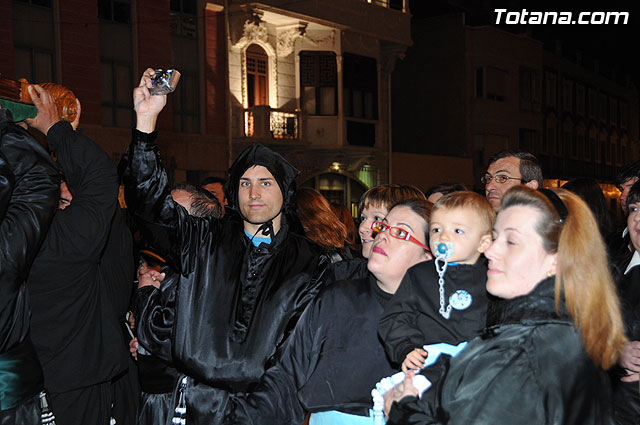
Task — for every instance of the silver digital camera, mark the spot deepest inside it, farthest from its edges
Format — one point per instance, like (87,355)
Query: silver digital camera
(164,81)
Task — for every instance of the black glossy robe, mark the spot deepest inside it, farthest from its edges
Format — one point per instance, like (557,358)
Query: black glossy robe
(530,368)
(332,361)
(155,312)
(236,302)
(29,191)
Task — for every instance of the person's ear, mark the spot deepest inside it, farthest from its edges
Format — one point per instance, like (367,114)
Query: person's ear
(485,242)
(533,184)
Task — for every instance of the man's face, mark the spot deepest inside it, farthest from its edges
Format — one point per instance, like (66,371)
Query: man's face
(65,196)
(508,167)
(625,188)
(216,190)
(259,196)
(633,224)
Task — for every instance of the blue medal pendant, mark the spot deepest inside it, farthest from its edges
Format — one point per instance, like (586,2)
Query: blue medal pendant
(460,300)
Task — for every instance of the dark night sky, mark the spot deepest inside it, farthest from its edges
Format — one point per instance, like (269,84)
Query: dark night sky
(613,46)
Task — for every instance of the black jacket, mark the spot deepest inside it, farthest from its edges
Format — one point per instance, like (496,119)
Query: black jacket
(74,325)
(412,318)
(332,361)
(531,368)
(349,269)
(236,302)
(626,396)
(29,190)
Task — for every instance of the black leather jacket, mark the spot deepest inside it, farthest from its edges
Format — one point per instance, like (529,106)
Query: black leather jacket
(29,191)
(531,368)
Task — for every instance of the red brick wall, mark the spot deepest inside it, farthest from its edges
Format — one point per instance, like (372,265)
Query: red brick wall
(7,67)
(154,45)
(215,72)
(80,55)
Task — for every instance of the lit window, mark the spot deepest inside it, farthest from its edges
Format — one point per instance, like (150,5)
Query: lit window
(257,76)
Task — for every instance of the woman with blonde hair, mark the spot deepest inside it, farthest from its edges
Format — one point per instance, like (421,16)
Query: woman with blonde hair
(559,326)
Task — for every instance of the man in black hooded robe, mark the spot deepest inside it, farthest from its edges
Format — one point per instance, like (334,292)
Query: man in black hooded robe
(245,279)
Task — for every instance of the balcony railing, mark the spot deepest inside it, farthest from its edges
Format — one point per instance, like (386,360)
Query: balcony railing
(390,4)
(262,121)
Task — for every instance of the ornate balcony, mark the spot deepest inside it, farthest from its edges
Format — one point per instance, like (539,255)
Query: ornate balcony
(388,20)
(264,122)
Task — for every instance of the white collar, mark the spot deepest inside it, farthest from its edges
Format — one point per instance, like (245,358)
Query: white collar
(625,233)
(635,260)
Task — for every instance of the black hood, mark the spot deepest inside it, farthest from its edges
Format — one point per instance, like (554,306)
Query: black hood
(257,154)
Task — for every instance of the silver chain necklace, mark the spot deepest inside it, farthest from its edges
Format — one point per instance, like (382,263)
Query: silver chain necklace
(445,250)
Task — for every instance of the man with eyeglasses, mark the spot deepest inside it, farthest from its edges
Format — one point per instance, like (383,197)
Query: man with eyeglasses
(507,169)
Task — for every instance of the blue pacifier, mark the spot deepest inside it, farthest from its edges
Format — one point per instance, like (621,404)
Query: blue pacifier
(445,250)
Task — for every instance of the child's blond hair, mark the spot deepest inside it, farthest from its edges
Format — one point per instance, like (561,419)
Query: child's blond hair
(472,200)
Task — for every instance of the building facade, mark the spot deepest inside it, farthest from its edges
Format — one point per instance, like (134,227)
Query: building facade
(484,89)
(310,79)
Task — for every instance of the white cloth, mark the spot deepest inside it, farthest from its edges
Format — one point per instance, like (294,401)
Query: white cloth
(635,260)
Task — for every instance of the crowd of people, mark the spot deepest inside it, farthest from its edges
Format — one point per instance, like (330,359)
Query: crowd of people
(255,302)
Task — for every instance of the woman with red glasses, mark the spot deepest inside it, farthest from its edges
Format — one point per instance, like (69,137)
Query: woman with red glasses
(334,357)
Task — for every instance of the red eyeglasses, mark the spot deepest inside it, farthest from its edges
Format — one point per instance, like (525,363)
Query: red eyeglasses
(396,232)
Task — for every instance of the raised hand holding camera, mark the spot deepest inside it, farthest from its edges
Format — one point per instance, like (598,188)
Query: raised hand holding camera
(148,106)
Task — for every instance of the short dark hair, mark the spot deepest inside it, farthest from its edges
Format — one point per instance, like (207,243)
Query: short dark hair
(628,173)
(203,203)
(530,169)
(634,193)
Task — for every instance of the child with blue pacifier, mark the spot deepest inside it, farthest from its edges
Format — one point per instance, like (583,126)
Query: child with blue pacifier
(442,302)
